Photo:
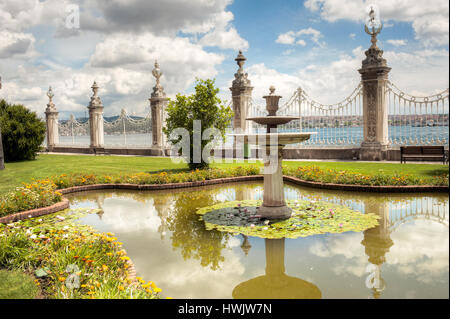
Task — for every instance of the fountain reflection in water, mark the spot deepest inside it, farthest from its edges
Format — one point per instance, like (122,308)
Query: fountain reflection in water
(405,256)
(275,284)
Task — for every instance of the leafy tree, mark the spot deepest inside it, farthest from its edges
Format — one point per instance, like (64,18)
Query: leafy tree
(203,105)
(189,234)
(22,132)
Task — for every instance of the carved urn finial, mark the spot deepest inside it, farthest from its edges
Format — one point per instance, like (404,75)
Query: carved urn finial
(272,101)
(240,60)
(50,95)
(95,99)
(157,72)
(373,26)
(241,78)
(158,90)
(94,88)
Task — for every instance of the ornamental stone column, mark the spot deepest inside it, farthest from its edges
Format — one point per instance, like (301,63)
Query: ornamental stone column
(374,75)
(96,120)
(2,159)
(158,102)
(51,117)
(241,93)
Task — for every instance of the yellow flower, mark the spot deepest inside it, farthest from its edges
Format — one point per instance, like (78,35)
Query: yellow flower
(109,254)
(104,268)
(62,279)
(157,290)
(125,258)
(121,288)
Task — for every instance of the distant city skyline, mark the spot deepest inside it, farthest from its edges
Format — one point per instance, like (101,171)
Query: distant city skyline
(315,44)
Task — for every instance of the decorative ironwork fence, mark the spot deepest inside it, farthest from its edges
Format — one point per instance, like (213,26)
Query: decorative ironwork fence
(128,130)
(415,120)
(339,124)
(412,120)
(125,130)
(73,132)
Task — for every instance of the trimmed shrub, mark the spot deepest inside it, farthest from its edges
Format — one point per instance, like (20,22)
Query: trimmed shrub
(22,132)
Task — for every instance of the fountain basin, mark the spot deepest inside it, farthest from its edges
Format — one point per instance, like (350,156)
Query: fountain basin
(283,138)
(273,120)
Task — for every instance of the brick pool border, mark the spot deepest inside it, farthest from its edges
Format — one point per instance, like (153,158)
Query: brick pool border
(64,204)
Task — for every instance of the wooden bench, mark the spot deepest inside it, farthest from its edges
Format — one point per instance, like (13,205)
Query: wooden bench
(100,151)
(427,153)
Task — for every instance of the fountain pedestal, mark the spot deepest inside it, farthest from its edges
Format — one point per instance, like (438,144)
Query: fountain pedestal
(274,205)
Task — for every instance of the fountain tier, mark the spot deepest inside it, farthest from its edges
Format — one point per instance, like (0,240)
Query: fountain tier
(274,205)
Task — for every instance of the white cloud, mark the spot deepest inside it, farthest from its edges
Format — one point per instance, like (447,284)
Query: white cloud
(352,35)
(110,48)
(286,38)
(429,18)
(16,45)
(397,43)
(223,35)
(291,36)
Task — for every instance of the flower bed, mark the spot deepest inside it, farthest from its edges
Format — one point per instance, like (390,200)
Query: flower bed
(70,260)
(30,196)
(330,176)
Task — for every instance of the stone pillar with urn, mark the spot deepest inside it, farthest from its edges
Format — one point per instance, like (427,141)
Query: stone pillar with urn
(96,121)
(374,75)
(51,117)
(241,93)
(158,101)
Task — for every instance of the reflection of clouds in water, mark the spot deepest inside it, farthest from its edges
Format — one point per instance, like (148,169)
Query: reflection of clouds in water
(234,242)
(420,250)
(126,215)
(186,278)
(349,246)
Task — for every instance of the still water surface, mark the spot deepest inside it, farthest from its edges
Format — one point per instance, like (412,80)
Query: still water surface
(407,256)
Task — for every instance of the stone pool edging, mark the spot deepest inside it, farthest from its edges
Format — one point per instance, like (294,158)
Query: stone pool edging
(64,204)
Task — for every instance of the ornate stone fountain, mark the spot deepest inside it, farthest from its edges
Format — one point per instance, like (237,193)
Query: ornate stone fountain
(274,205)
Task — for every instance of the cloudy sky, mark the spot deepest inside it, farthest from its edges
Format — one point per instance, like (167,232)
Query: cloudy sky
(315,44)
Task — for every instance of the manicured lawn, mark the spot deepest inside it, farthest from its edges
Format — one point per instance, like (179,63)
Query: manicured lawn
(51,165)
(17,285)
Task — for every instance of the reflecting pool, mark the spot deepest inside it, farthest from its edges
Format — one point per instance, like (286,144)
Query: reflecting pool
(406,256)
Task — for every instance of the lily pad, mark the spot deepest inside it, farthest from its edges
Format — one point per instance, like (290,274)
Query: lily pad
(308,218)
(41,272)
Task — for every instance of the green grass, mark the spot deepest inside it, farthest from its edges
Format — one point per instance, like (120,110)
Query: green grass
(51,165)
(17,285)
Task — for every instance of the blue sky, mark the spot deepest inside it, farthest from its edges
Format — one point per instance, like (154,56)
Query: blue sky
(315,44)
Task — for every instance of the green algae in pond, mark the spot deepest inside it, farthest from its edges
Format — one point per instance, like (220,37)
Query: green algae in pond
(308,218)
